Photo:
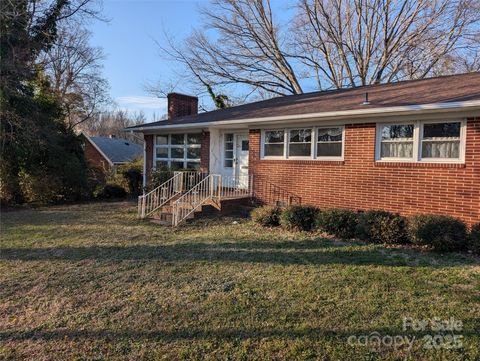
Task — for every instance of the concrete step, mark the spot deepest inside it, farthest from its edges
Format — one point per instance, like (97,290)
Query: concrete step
(237,206)
(160,222)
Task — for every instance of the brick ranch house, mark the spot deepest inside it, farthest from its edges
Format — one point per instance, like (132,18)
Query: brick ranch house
(408,147)
(107,153)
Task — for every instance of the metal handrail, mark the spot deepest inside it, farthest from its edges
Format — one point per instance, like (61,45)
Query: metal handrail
(235,186)
(208,188)
(158,197)
(214,187)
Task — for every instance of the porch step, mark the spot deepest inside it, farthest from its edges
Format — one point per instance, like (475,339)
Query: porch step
(160,222)
(240,207)
(165,214)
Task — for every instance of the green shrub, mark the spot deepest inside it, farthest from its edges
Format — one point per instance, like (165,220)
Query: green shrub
(268,216)
(338,222)
(301,218)
(131,176)
(160,176)
(442,233)
(474,238)
(39,188)
(379,226)
(134,178)
(110,191)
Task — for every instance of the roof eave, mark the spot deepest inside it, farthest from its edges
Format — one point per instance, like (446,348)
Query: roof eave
(471,105)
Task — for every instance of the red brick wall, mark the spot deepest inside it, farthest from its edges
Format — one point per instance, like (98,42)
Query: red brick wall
(205,153)
(360,183)
(95,159)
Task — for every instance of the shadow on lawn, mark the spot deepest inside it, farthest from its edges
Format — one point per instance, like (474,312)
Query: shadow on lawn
(288,252)
(198,334)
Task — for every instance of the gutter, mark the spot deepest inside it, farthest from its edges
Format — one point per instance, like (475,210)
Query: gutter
(378,112)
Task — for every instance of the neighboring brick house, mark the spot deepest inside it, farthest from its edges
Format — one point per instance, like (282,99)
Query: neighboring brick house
(412,147)
(106,153)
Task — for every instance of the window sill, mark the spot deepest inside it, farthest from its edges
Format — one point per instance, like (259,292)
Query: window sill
(304,161)
(390,164)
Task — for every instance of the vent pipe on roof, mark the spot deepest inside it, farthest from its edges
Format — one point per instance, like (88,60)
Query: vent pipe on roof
(366,102)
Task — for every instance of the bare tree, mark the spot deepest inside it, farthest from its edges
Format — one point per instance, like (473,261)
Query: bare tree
(247,48)
(113,123)
(361,42)
(328,43)
(74,68)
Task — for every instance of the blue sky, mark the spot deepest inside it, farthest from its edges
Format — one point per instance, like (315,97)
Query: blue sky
(132,58)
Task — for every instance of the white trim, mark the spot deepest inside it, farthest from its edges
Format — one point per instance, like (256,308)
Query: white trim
(462,145)
(99,150)
(223,159)
(417,143)
(262,144)
(342,157)
(378,141)
(470,105)
(314,141)
(144,182)
(288,143)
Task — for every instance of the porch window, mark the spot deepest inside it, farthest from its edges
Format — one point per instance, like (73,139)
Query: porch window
(178,151)
(397,141)
(228,151)
(274,143)
(330,142)
(300,143)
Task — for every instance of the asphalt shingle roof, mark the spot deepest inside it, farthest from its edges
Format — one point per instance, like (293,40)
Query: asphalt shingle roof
(453,88)
(118,150)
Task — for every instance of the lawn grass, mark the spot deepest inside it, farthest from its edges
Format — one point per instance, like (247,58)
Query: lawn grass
(92,282)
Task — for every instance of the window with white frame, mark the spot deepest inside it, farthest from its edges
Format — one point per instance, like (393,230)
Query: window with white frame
(300,143)
(308,143)
(178,151)
(228,151)
(441,140)
(330,142)
(422,141)
(396,141)
(274,143)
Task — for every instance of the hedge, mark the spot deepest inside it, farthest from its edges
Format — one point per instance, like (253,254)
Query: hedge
(341,223)
(268,216)
(379,226)
(441,233)
(301,218)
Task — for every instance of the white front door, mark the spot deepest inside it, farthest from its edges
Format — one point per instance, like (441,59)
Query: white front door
(241,159)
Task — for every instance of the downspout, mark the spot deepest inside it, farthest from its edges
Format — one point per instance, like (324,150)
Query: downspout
(144,165)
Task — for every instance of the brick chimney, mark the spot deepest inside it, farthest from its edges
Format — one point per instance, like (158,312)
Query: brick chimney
(180,105)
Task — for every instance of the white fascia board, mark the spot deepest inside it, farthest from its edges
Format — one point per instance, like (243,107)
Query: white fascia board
(471,105)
